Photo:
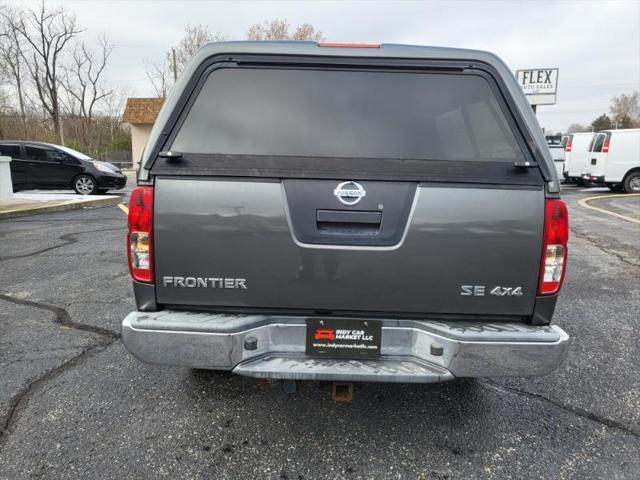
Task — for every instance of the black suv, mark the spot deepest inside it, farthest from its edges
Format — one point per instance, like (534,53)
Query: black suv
(47,166)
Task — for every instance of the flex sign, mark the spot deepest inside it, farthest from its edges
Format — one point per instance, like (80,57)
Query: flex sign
(540,85)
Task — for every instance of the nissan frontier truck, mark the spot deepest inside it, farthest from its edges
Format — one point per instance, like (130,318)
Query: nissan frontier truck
(378,213)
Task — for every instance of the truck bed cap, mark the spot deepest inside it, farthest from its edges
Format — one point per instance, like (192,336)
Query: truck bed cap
(389,51)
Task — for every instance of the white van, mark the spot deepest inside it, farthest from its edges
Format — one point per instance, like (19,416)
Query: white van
(554,142)
(614,160)
(576,148)
(557,153)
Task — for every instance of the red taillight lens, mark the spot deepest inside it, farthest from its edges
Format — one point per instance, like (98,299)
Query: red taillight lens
(139,239)
(567,147)
(554,247)
(605,146)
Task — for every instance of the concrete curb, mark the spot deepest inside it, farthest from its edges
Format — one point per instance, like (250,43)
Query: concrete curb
(58,207)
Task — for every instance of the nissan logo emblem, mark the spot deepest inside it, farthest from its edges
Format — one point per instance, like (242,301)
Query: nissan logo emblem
(349,193)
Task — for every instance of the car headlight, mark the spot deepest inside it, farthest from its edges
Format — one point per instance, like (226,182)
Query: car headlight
(103,168)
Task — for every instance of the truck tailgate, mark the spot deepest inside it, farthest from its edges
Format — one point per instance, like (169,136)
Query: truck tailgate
(406,248)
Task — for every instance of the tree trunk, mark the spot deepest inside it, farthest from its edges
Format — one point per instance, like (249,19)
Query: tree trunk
(57,124)
(23,114)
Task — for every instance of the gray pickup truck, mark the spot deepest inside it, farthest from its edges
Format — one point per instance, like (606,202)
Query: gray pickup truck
(380,213)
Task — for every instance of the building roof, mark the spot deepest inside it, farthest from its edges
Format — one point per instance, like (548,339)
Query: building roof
(142,111)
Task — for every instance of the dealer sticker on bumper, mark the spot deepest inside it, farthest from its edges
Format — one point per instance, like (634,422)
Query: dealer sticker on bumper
(343,337)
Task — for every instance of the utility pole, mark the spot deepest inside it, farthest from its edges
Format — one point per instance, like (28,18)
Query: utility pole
(175,66)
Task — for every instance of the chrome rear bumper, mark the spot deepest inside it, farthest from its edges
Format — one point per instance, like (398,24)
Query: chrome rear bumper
(412,351)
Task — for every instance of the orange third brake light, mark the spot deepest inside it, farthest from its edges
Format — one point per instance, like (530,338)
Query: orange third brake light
(349,45)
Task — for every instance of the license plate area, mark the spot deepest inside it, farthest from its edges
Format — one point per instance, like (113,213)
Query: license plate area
(343,338)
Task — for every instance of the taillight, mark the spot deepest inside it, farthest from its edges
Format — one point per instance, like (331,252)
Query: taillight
(349,45)
(139,239)
(554,247)
(605,146)
(567,147)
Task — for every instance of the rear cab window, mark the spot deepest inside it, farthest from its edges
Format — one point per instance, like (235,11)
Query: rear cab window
(290,122)
(347,114)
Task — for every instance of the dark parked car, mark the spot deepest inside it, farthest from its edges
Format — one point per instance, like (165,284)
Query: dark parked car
(47,166)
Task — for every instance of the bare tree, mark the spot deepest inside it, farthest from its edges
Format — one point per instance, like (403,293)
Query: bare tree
(47,75)
(195,36)
(625,109)
(578,128)
(12,57)
(84,84)
(48,33)
(163,74)
(159,75)
(274,30)
(306,31)
(280,30)
(115,107)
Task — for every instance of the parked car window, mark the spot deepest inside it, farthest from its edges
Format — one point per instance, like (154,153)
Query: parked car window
(56,155)
(35,153)
(44,154)
(12,151)
(367,114)
(74,153)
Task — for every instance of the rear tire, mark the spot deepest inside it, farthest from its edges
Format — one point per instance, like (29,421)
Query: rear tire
(85,185)
(632,183)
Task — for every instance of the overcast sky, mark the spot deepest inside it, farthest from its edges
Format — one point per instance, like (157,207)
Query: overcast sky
(596,44)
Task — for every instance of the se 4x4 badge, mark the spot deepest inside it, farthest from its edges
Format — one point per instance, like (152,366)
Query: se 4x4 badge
(481,291)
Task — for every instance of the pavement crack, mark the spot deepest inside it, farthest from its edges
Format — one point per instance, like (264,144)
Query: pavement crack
(605,250)
(581,412)
(67,238)
(20,400)
(23,355)
(62,317)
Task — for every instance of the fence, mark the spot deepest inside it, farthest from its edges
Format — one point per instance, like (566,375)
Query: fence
(121,158)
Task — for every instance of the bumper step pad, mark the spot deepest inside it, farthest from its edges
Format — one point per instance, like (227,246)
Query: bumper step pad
(385,369)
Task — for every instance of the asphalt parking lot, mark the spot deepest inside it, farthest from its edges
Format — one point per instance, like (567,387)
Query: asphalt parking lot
(75,404)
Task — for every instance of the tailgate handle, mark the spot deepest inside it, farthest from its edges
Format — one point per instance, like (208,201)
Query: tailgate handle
(341,222)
